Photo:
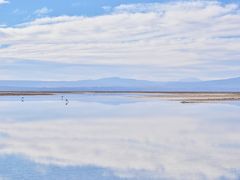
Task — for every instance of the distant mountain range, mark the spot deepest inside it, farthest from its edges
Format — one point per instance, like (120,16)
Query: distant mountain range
(120,84)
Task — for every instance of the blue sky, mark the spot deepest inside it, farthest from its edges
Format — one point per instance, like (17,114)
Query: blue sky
(20,11)
(155,39)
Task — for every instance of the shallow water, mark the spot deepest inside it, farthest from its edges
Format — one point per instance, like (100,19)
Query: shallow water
(95,137)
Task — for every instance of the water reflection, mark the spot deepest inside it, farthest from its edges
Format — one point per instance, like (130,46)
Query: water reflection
(139,139)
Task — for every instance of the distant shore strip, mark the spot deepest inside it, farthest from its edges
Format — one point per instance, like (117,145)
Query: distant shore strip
(184,97)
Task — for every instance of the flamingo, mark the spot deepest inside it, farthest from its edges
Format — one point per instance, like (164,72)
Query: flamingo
(67,102)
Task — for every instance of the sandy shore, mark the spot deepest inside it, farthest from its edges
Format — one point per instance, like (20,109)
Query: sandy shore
(184,97)
(196,97)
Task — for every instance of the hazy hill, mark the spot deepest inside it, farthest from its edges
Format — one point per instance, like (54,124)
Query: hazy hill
(120,84)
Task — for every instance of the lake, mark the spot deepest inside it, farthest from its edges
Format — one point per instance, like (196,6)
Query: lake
(105,137)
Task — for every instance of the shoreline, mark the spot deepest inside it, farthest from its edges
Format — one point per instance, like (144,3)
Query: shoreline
(183,97)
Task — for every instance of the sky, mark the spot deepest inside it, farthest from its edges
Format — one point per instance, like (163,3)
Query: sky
(156,40)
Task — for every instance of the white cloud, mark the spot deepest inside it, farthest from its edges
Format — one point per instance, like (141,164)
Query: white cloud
(43,11)
(51,20)
(4,2)
(168,35)
(107,8)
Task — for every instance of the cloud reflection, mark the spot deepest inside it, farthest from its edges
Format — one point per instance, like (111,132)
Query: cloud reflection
(168,145)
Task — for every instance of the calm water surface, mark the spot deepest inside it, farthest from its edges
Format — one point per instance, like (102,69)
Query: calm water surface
(105,137)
